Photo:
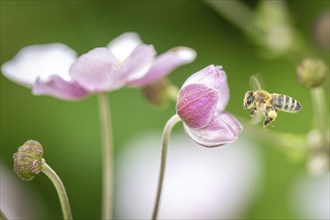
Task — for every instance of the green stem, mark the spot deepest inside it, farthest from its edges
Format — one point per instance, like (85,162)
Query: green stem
(319,108)
(165,139)
(107,156)
(51,174)
(289,144)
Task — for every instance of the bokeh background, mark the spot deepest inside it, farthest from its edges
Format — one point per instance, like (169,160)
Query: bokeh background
(70,133)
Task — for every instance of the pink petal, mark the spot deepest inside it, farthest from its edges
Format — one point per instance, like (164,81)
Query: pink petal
(39,61)
(59,88)
(164,64)
(223,129)
(214,77)
(211,76)
(231,121)
(98,70)
(223,94)
(196,105)
(139,62)
(122,46)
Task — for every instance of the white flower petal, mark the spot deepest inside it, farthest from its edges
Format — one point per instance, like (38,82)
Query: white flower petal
(223,129)
(211,76)
(309,198)
(139,62)
(39,61)
(200,183)
(98,70)
(15,195)
(165,64)
(122,46)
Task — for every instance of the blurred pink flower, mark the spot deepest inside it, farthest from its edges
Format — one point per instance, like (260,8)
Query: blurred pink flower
(55,70)
(201,103)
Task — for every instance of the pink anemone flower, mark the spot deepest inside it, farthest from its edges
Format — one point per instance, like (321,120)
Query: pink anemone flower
(200,105)
(55,70)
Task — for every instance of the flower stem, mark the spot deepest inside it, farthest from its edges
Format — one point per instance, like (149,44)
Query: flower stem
(50,173)
(165,139)
(107,156)
(289,144)
(319,109)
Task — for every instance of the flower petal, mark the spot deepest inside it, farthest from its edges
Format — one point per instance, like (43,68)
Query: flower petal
(223,129)
(39,61)
(59,88)
(211,76)
(97,70)
(122,46)
(196,105)
(231,121)
(139,62)
(166,63)
(223,94)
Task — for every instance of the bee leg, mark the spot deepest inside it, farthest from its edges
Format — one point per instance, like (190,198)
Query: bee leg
(267,121)
(270,116)
(252,111)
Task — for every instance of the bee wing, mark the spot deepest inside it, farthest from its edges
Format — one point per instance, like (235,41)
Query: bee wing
(254,83)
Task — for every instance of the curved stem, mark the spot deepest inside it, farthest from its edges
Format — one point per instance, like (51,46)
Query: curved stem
(107,156)
(64,200)
(165,139)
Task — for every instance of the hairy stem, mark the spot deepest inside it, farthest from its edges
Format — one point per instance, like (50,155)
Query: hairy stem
(64,200)
(107,191)
(165,139)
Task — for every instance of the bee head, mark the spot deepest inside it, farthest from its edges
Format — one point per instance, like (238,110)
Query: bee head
(248,100)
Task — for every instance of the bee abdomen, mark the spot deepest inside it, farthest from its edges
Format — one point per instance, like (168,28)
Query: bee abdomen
(286,103)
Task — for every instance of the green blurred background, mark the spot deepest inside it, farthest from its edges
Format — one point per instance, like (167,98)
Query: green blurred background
(69,131)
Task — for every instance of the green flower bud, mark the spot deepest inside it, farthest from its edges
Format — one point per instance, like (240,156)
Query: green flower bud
(156,93)
(311,72)
(28,160)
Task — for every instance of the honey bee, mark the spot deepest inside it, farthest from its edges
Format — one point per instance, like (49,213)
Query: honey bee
(260,102)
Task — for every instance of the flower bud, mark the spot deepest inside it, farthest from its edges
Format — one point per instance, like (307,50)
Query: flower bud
(156,93)
(311,72)
(28,160)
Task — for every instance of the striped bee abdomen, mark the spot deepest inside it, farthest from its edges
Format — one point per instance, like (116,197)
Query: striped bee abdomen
(285,103)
